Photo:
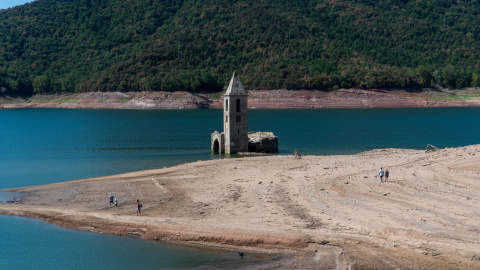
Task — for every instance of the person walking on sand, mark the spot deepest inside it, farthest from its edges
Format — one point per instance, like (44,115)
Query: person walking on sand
(386,175)
(115,202)
(381,173)
(139,207)
(111,199)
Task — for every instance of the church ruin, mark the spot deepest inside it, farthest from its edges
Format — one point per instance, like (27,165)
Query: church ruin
(236,138)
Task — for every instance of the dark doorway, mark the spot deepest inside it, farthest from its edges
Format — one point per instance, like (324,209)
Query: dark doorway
(216,146)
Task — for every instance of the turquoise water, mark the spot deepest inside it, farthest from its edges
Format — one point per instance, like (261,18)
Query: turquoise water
(40,146)
(33,244)
(350,131)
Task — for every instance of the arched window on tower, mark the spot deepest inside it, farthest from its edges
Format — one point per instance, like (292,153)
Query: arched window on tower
(226,104)
(238,105)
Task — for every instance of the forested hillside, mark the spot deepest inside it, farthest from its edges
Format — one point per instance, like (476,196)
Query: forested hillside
(164,45)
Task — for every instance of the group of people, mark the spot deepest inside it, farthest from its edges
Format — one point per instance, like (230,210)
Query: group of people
(382,174)
(114,201)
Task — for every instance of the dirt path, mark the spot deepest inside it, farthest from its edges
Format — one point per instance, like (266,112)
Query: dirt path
(323,212)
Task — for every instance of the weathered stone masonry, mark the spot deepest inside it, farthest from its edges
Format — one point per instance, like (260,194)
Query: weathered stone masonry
(236,137)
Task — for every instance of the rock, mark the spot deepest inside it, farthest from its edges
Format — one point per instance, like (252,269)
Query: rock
(265,142)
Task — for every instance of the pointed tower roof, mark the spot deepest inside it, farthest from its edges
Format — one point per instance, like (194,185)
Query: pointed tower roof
(235,87)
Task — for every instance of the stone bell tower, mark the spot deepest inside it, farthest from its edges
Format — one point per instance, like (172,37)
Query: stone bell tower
(235,138)
(235,117)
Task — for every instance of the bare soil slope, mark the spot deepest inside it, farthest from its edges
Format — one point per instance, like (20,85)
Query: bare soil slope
(260,99)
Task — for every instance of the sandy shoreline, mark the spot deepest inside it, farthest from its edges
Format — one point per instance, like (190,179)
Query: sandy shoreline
(259,99)
(324,212)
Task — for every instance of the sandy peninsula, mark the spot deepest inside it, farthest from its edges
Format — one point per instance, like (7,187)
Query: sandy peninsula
(320,212)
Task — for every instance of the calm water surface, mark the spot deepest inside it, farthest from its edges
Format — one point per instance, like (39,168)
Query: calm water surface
(40,146)
(33,244)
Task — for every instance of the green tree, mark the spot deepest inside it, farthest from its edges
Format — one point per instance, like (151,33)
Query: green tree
(449,76)
(476,80)
(437,76)
(41,84)
(425,76)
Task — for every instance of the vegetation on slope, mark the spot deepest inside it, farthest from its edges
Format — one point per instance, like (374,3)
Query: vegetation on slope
(58,46)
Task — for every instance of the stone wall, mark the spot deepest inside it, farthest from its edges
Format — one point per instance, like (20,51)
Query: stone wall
(218,142)
(262,142)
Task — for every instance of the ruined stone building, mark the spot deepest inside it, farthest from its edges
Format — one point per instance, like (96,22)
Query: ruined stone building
(236,137)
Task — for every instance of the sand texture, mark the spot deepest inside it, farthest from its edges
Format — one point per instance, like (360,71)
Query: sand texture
(320,212)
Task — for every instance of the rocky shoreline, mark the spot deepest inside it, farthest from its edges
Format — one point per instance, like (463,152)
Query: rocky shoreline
(318,212)
(260,99)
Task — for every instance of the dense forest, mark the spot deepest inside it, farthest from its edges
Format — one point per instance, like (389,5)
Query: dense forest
(58,46)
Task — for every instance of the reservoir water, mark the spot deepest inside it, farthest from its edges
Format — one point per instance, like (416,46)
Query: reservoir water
(41,146)
(33,244)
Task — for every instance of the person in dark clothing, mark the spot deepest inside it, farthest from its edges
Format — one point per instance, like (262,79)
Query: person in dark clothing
(139,207)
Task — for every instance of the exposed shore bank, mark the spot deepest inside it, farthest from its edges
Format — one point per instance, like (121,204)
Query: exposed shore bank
(324,212)
(260,99)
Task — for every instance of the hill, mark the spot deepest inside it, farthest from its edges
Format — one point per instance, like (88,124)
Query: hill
(60,46)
